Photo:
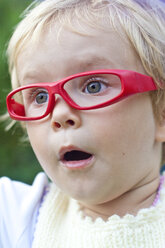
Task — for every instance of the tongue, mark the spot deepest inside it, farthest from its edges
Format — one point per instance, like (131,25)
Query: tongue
(76,156)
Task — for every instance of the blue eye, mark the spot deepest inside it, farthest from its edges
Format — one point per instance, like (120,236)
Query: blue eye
(94,87)
(42,97)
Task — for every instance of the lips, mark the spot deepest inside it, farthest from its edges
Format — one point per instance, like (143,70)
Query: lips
(73,157)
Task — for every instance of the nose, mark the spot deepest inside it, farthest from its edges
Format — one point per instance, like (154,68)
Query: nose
(64,116)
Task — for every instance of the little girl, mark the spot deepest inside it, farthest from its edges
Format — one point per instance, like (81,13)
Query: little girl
(88,81)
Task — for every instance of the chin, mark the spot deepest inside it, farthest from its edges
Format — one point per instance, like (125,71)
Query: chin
(85,197)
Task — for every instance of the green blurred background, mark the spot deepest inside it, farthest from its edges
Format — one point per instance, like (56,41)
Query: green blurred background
(17,159)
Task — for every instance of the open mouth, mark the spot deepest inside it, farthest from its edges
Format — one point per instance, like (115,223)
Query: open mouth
(75,155)
(74,158)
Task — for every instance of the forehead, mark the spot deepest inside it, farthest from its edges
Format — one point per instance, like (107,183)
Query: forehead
(58,54)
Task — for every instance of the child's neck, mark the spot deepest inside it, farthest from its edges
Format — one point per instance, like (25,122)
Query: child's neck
(128,203)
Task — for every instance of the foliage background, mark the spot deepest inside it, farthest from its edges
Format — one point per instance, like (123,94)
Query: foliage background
(17,159)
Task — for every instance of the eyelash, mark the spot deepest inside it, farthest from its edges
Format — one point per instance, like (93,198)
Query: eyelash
(31,95)
(94,79)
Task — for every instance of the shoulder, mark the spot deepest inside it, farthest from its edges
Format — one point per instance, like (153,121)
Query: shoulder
(19,204)
(16,192)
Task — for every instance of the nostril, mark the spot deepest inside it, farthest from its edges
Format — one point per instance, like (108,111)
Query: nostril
(70,122)
(56,124)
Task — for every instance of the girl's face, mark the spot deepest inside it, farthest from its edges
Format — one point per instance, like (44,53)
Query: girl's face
(121,138)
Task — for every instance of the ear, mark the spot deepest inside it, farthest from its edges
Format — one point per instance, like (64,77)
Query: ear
(160,128)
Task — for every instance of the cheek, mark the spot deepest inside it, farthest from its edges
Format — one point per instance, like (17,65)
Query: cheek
(44,151)
(38,136)
(125,127)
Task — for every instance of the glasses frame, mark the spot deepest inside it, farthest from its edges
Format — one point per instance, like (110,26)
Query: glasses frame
(131,83)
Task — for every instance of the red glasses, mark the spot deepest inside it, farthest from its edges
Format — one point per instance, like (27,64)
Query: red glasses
(83,91)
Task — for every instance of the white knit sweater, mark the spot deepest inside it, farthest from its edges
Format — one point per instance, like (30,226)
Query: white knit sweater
(61,225)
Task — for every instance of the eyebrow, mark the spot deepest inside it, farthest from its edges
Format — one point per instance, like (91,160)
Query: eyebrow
(83,65)
(94,60)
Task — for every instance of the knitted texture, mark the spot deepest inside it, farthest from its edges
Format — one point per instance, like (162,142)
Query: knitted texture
(61,225)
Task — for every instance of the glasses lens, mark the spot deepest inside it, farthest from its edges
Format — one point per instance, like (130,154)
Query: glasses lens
(31,102)
(87,91)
